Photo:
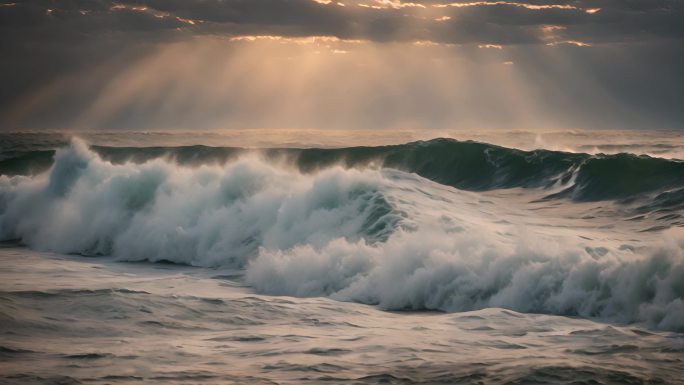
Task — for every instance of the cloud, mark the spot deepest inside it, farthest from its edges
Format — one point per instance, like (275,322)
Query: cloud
(462,22)
(89,43)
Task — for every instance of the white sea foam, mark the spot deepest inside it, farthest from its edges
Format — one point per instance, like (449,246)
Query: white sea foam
(378,237)
(459,272)
(204,216)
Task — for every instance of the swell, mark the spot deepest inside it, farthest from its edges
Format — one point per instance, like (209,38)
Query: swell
(465,165)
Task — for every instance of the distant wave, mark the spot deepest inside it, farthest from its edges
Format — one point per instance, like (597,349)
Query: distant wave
(302,225)
(466,165)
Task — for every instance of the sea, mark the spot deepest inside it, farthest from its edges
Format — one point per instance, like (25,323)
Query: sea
(326,257)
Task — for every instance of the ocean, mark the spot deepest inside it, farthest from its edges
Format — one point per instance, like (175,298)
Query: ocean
(301,256)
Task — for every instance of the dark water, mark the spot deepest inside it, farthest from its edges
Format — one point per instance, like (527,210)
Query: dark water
(71,320)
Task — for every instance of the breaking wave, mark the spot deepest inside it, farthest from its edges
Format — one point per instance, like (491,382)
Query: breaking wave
(465,165)
(205,216)
(314,222)
(447,272)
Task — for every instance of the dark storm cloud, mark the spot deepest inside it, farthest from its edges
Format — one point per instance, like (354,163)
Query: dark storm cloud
(505,22)
(42,41)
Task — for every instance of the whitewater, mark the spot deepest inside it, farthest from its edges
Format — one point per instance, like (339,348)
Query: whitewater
(432,261)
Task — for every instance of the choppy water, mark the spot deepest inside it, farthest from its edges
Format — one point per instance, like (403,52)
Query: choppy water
(72,319)
(542,266)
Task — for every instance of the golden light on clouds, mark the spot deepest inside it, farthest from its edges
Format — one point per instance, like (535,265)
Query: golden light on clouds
(328,2)
(395,4)
(551,28)
(515,4)
(398,4)
(140,8)
(549,33)
(494,46)
(128,7)
(569,42)
(187,21)
(430,43)
(296,40)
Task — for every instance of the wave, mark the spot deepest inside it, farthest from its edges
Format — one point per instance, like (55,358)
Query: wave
(465,165)
(306,226)
(435,270)
(211,215)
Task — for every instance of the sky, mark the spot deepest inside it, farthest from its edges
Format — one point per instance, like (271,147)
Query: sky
(361,64)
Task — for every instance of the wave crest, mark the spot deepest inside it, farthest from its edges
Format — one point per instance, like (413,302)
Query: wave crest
(447,272)
(466,165)
(208,216)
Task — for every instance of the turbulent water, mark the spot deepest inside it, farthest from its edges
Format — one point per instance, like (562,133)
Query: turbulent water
(544,266)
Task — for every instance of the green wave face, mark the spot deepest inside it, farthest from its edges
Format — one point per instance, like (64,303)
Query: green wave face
(466,165)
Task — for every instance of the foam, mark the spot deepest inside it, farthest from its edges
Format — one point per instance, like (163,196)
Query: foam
(205,216)
(461,272)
